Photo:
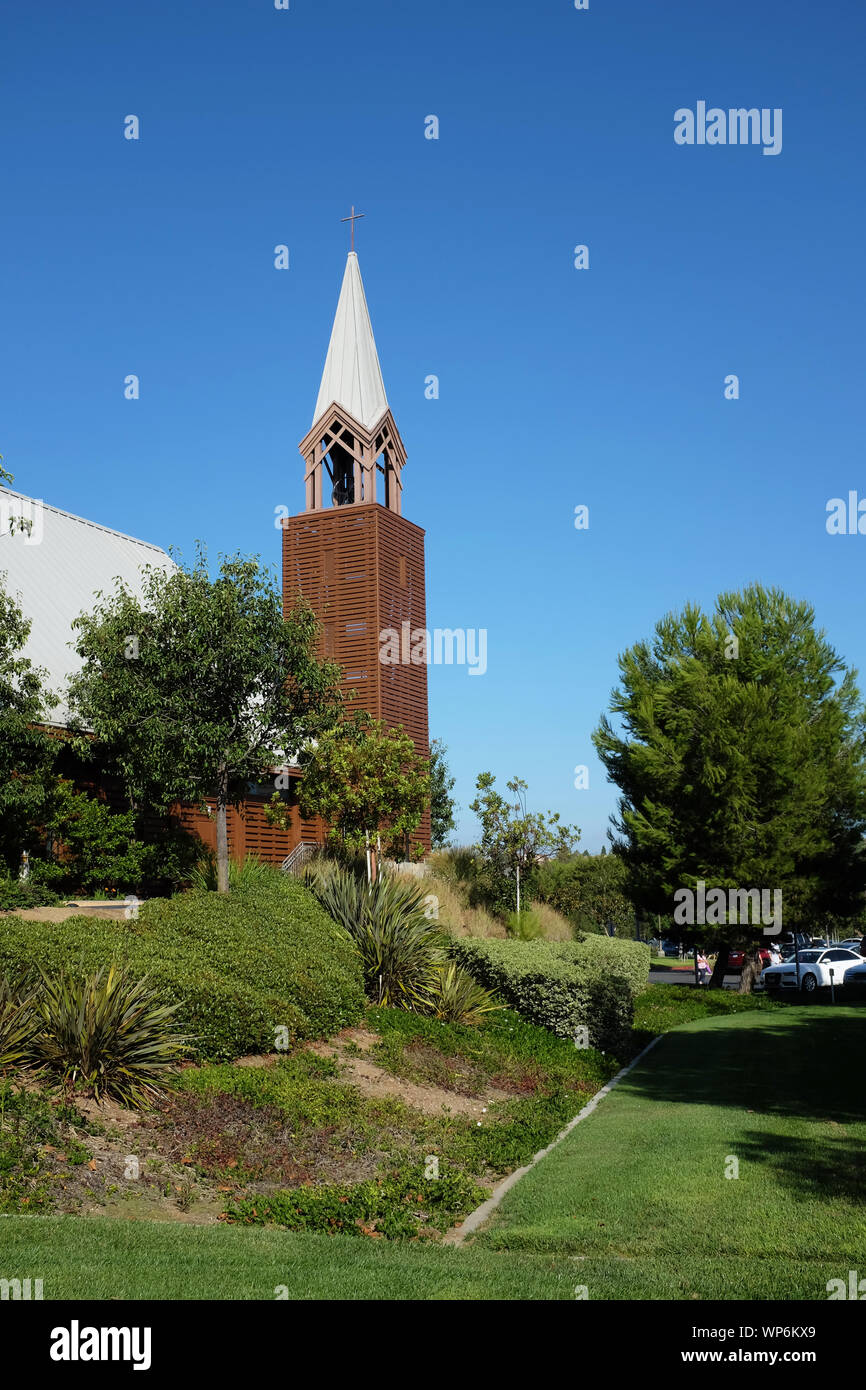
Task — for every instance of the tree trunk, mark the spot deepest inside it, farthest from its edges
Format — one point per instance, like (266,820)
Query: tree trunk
(717,979)
(752,967)
(222,834)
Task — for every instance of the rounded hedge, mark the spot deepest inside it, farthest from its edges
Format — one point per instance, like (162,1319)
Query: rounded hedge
(241,965)
(590,982)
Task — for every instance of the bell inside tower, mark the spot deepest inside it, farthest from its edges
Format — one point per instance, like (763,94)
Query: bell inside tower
(341,467)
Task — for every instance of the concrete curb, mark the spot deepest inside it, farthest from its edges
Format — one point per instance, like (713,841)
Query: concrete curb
(476,1218)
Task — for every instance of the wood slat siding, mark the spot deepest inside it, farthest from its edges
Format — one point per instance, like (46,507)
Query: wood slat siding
(250,833)
(350,563)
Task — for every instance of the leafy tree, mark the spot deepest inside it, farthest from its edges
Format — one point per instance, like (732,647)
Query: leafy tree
(591,890)
(442,804)
(97,848)
(742,762)
(27,753)
(200,687)
(363,779)
(513,840)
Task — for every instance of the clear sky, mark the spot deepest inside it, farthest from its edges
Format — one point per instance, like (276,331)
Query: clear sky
(558,387)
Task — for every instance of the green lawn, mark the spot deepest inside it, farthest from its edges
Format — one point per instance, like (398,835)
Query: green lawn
(642,1184)
(634,1204)
(97,1258)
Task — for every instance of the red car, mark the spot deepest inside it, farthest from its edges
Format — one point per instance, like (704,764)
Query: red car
(736,958)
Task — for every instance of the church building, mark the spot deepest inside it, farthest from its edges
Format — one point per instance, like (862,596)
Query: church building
(350,552)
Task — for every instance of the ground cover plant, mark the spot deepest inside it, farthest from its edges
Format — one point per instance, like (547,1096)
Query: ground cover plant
(659,1008)
(299,1148)
(240,966)
(295,1143)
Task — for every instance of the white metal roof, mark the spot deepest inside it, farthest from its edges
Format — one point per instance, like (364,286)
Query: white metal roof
(352,376)
(54,573)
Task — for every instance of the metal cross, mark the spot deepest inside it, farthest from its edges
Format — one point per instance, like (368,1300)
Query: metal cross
(353,219)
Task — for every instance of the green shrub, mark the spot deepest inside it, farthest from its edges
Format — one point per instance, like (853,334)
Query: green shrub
(566,985)
(458,998)
(107,1032)
(241,965)
(525,925)
(400,947)
(16,893)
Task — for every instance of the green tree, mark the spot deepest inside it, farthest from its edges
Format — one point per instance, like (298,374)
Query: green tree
(591,890)
(363,779)
(442,803)
(741,761)
(96,848)
(27,752)
(201,687)
(513,839)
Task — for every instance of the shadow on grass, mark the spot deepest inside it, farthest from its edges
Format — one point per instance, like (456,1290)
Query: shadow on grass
(804,1062)
(810,1168)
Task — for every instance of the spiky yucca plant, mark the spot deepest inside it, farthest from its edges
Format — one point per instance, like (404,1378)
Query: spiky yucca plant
(400,947)
(18,1021)
(457,998)
(107,1032)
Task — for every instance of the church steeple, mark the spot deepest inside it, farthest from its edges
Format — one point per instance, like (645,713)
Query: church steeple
(352,377)
(357,562)
(354,437)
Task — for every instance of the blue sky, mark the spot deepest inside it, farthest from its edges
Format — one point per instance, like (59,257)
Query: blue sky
(558,387)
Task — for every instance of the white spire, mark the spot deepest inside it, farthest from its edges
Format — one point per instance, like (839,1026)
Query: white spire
(352,377)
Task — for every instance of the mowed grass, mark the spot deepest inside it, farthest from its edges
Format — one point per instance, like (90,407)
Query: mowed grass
(642,1184)
(100,1258)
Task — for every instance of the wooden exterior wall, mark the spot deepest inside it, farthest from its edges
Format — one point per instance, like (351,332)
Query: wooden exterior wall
(249,831)
(361,568)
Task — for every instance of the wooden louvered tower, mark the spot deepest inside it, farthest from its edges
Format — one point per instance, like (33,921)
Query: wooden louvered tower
(351,553)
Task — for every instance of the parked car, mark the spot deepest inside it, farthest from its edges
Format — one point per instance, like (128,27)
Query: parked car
(736,959)
(814,970)
(855,978)
(851,943)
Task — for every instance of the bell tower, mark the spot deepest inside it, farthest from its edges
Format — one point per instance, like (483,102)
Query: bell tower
(352,553)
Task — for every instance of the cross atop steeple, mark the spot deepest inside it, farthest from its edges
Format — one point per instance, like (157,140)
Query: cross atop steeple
(353,219)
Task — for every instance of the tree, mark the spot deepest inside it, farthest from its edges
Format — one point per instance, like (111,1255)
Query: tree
(742,764)
(442,804)
(201,687)
(512,839)
(98,848)
(27,753)
(363,779)
(591,890)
